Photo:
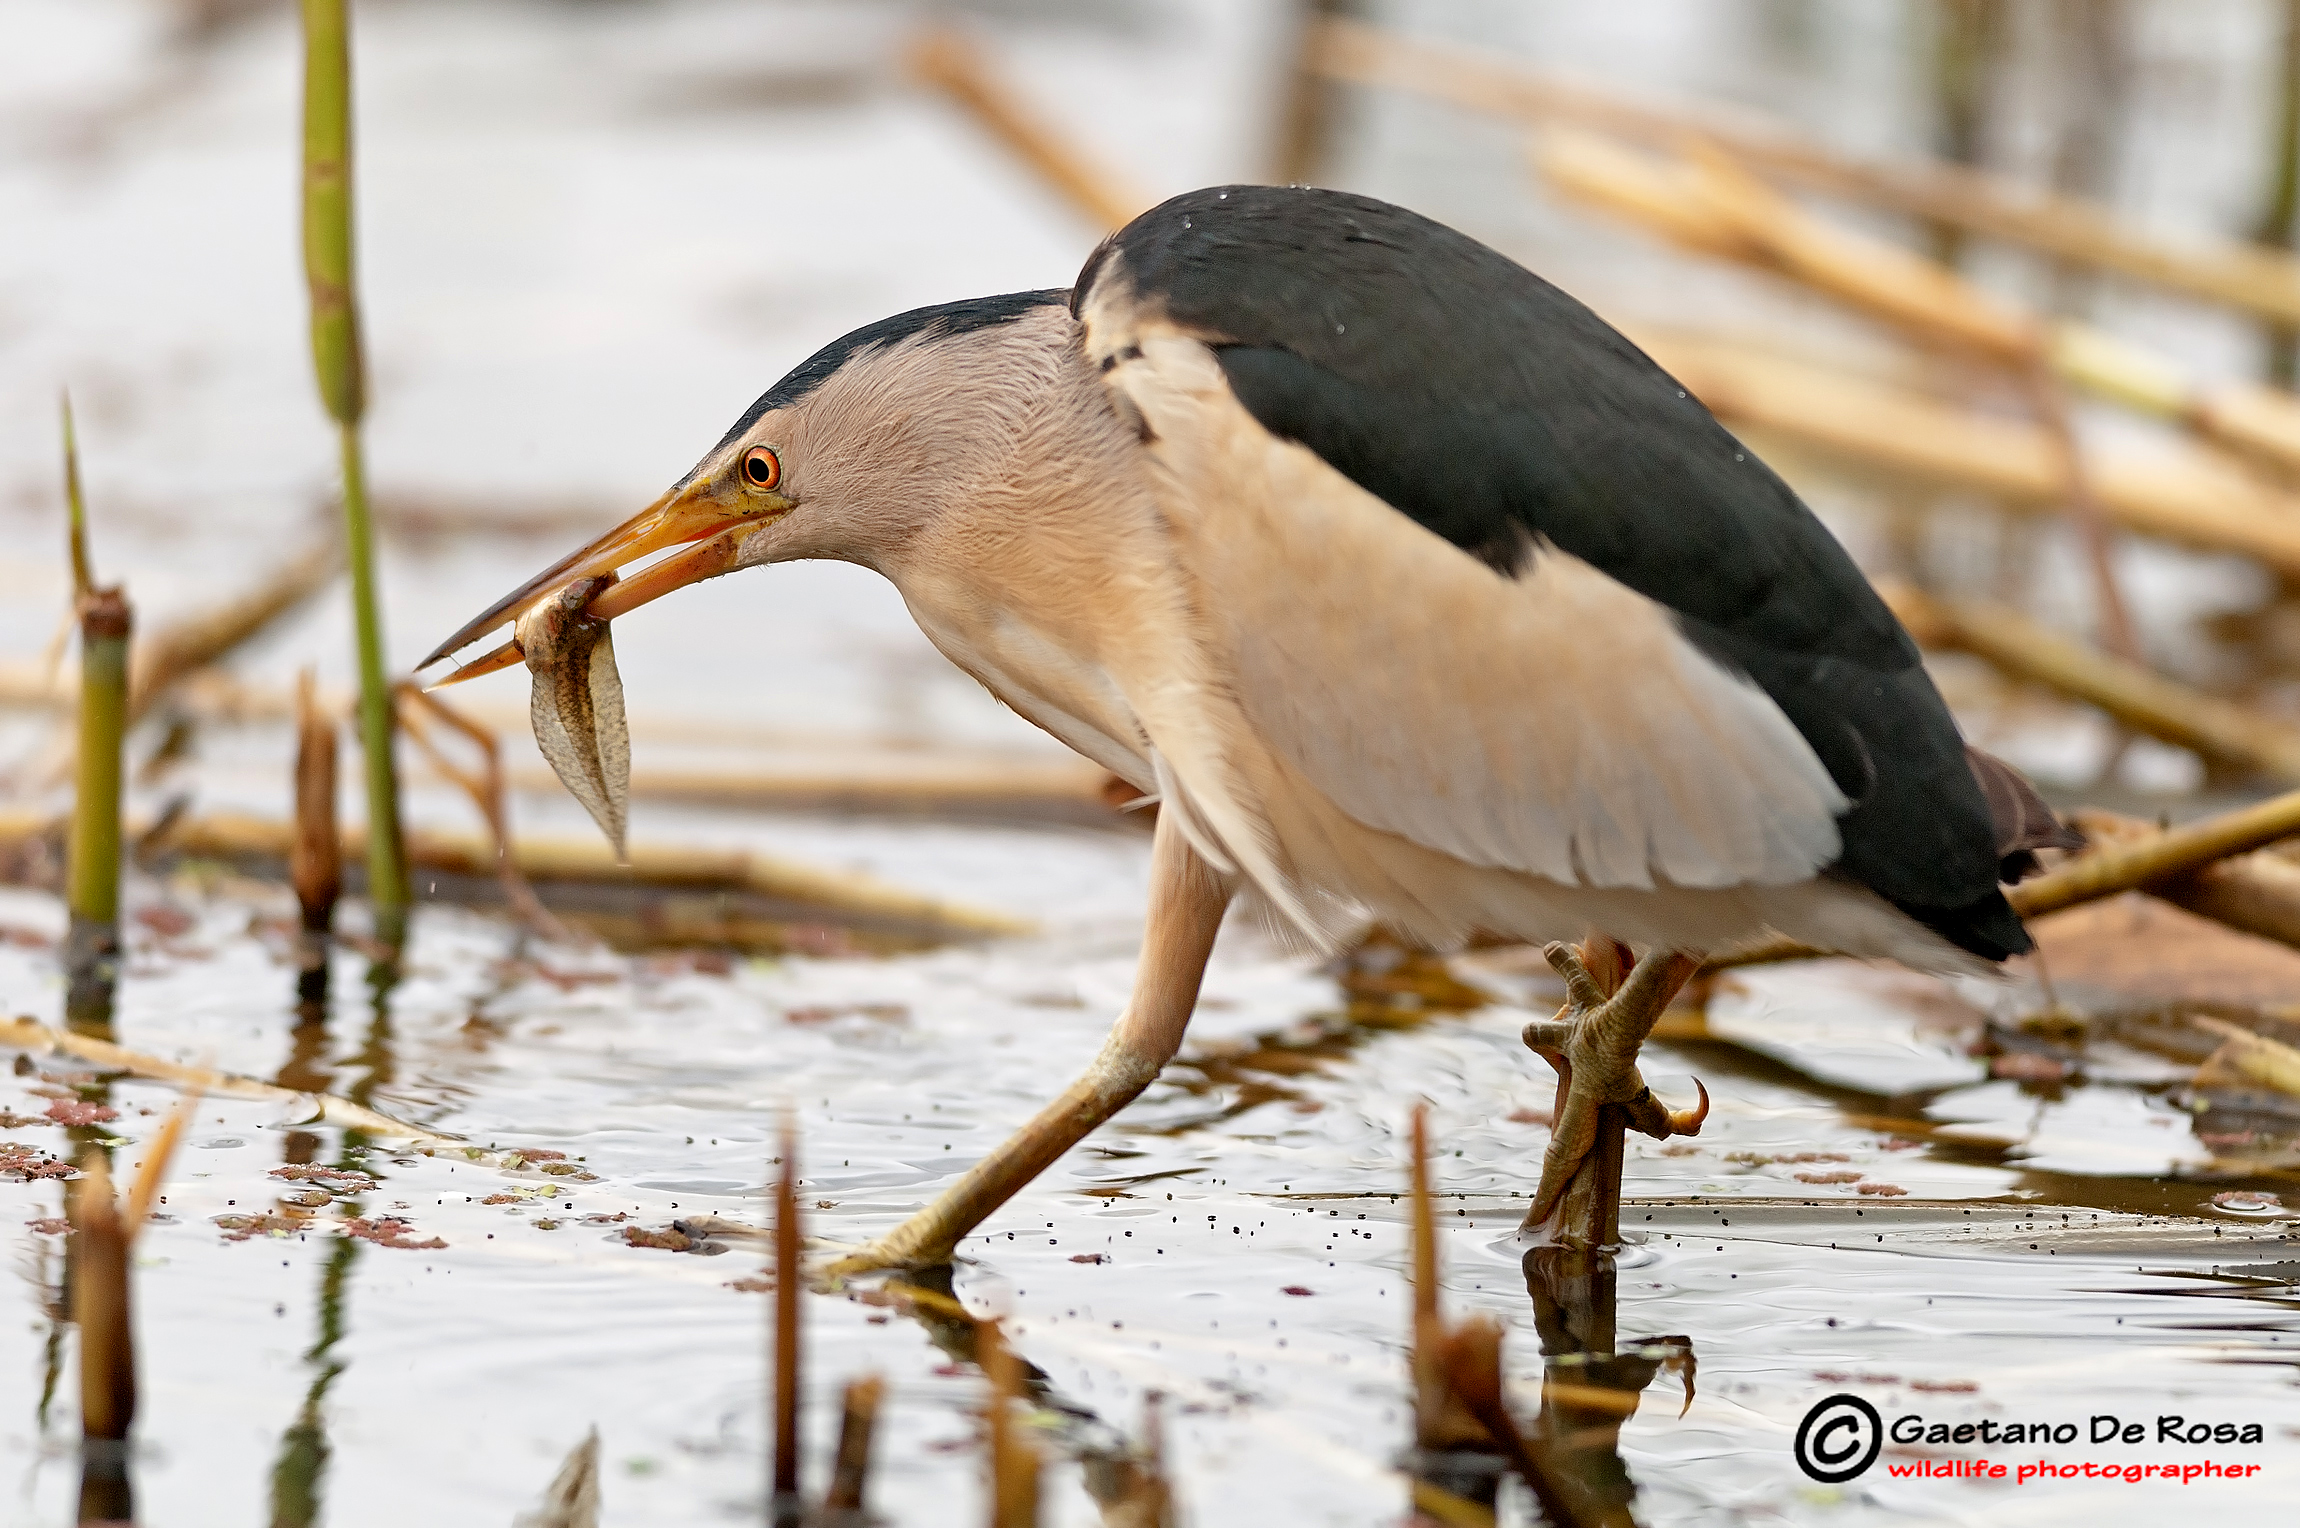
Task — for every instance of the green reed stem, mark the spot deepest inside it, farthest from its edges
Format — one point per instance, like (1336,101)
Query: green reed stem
(92,865)
(387,888)
(340,369)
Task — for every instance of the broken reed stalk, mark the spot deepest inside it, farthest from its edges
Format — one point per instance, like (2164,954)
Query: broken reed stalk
(1442,1430)
(228,836)
(1755,224)
(184,647)
(785,1507)
(951,64)
(1014,1461)
(2255,893)
(341,372)
(1669,199)
(104,1233)
(1459,1412)
(2103,871)
(315,859)
(2133,695)
(2191,499)
(92,876)
(2243,276)
(850,1473)
(2246,1060)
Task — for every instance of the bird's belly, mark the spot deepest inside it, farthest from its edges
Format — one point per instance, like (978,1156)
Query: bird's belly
(1069,697)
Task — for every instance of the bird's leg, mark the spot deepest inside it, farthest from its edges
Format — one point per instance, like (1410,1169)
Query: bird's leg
(1187,900)
(1593,1044)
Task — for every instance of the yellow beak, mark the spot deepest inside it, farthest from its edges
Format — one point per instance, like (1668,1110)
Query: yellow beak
(689,514)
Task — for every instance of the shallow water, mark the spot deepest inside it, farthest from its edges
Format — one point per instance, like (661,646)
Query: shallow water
(1268,1161)
(584,252)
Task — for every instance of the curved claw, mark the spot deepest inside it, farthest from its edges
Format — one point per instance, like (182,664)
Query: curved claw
(1688,1121)
(1650,1116)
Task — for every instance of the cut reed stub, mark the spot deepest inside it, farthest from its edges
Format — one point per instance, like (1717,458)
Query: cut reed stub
(844,1503)
(100,1305)
(92,878)
(785,1507)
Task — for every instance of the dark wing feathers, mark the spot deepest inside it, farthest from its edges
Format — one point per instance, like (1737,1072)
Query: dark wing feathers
(1501,414)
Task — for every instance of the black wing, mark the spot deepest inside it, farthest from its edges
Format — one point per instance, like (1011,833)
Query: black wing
(1501,414)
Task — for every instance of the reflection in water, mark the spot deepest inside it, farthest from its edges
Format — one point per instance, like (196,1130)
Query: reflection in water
(306,1069)
(1590,1384)
(302,1465)
(47,1275)
(299,1473)
(106,1495)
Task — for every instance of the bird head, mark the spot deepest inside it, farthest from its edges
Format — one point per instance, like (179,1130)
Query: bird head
(836,460)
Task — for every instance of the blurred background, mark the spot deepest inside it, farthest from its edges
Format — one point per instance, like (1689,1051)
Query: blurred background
(2004,287)
(592,232)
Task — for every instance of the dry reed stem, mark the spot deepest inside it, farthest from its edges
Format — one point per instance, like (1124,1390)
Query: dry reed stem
(2104,871)
(2050,403)
(2239,275)
(2190,501)
(186,646)
(2245,1058)
(417,708)
(2256,893)
(1456,1371)
(1149,1500)
(1921,297)
(572,1498)
(1440,1423)
(35,1038)
(231,836)
(785,1507)
(144,1192)
(953,65)
(2136,697)
(858,1421)
(1473,1374)
(1749,221)
(1014,1460)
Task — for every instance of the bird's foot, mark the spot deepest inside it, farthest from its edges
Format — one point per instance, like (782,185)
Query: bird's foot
(1593,1044)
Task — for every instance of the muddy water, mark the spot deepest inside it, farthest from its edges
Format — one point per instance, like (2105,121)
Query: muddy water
(1234,1241)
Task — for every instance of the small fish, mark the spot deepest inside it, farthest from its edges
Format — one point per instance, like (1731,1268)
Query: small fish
(576,705)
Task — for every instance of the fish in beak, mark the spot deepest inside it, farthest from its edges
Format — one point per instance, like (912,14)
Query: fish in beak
(560,619)
(576,704)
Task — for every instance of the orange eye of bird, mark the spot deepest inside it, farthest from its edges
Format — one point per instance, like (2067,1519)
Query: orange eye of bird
(761,467)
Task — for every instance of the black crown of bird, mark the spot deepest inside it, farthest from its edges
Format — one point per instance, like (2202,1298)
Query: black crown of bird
(1411,591)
